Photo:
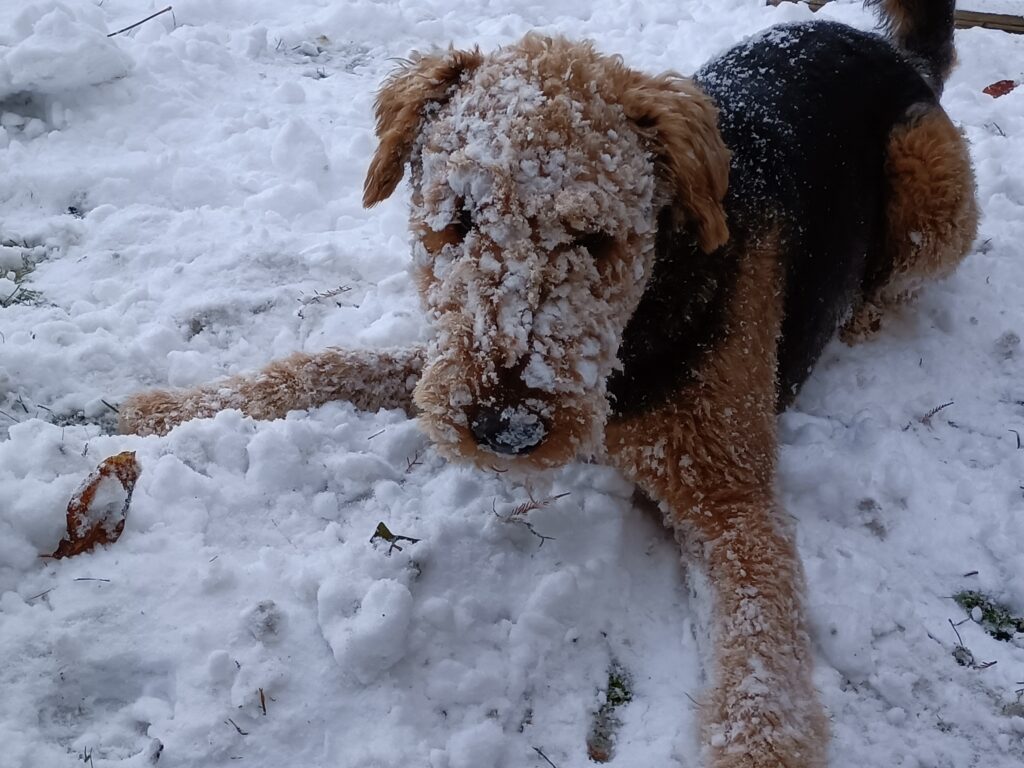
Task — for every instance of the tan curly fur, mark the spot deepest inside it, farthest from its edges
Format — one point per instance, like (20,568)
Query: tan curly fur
(371,380)
(931,214)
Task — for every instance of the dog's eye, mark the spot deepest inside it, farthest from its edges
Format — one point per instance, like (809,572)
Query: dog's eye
(461,224)
(453,234)
(597,244)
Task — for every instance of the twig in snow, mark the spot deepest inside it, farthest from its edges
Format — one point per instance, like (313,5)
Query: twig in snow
(240,731)
(546,758)
(6,302)
(927,418)
(529,506)
(963,654)
(111,407)
(89,578)
(317,296)
(274,522)
(517,515)
(959,639)
(413,462)
(377,434)
(263,702)
(139,23)
(1018,437)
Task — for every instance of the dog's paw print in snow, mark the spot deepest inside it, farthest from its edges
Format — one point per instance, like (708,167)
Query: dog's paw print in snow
(264,621)
(1007,345)
(104,706)
(370,636)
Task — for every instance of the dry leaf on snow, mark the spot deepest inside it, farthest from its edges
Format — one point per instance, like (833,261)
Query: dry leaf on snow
(97,511)
(999,88)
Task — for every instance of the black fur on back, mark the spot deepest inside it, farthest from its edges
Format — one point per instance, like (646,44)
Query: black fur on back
(806,110)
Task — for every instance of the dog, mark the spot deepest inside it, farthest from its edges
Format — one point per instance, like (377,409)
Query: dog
(642,270)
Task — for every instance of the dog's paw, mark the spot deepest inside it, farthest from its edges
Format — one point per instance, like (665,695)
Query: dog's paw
(779,736)
(864,324)
(787,756)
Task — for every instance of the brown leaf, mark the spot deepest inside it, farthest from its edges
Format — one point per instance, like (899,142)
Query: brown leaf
(92,522)
(999,88)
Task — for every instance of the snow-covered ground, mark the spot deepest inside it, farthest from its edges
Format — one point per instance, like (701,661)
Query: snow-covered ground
(182,201)
(1007,7)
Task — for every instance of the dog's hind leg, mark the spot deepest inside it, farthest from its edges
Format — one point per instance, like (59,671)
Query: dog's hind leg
(708,457)
(371,380)
(931,215)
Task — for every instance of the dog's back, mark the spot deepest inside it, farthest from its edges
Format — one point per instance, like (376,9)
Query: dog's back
(808,110)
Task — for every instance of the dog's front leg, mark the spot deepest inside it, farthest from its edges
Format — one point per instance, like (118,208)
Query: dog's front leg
(371,380)
(763,709)
(707,455)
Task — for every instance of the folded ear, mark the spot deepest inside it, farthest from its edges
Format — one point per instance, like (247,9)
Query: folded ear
(681,122)
(399,108)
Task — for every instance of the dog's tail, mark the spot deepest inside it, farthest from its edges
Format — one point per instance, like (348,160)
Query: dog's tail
(924,29)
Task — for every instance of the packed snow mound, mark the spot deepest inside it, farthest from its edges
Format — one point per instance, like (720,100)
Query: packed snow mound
(51,47)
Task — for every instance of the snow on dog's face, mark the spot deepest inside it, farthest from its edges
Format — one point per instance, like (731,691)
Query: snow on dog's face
(537,177)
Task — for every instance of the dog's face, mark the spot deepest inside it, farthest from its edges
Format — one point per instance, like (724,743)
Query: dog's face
(537,177)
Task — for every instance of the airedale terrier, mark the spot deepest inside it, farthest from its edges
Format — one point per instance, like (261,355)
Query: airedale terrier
(643,269)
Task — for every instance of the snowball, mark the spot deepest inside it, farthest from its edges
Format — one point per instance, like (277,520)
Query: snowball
(374,638)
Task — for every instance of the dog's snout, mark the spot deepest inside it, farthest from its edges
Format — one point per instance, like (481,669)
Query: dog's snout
(512,431)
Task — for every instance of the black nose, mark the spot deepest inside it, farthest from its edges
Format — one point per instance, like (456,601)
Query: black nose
(509,431)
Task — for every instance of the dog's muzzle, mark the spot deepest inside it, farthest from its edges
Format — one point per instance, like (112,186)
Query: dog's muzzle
(511,431)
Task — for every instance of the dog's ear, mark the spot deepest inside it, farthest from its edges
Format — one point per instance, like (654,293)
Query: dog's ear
(399,108)
(681,123)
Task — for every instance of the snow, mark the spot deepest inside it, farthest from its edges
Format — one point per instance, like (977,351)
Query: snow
(181,197)
(50,48)
(1009,7)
